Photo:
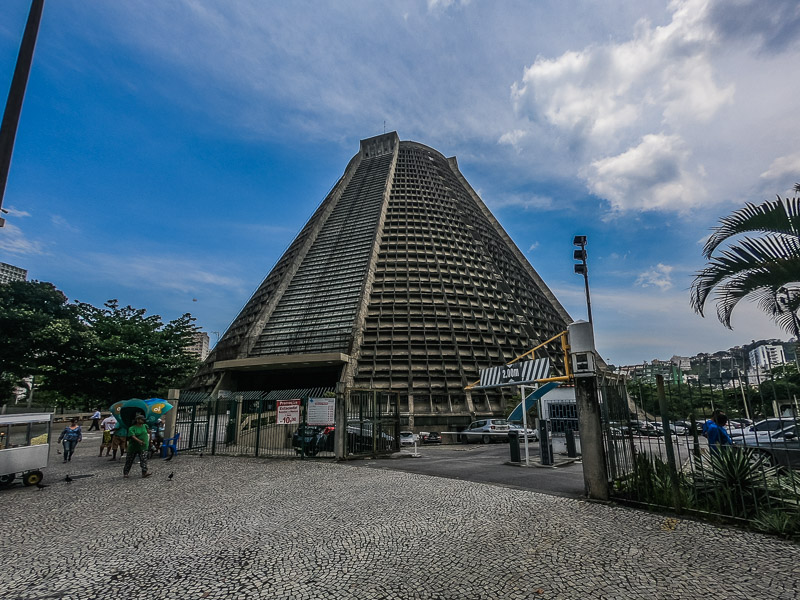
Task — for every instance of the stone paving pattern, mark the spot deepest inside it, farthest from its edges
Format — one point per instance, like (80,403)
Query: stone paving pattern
(227,528)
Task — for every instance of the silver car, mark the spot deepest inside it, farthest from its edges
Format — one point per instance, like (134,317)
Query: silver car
(763,430)
(486,431)
(779,448)
(531,434)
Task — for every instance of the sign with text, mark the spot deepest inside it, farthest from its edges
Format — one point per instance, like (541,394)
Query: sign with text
(321,411)
(288,412)
(519,373)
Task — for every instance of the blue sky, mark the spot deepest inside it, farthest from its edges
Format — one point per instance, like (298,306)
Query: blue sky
(168,152)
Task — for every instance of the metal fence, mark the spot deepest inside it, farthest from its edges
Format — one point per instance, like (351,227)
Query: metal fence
(247,424)
(250,424)
(373,422)
(658,455)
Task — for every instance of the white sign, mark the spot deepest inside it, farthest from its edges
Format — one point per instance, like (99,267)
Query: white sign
(288,412)
(321,411)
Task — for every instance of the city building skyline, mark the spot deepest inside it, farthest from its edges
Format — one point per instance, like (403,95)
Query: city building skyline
(9,273)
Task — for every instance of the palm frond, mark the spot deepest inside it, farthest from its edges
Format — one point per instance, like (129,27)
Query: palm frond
(776,255)
(781,216)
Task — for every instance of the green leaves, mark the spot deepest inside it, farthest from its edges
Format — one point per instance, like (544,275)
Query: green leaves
(90,354)
(764,269)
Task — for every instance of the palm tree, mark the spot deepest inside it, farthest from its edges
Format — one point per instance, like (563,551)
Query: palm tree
(765,268)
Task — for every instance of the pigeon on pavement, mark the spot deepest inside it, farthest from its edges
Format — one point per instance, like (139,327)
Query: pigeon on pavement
(68,479)
(170,476)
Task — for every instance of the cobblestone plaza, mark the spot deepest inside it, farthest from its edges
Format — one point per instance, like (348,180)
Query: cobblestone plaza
(227,528)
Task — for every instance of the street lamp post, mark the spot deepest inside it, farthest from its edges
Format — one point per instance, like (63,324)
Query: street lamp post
(8,129)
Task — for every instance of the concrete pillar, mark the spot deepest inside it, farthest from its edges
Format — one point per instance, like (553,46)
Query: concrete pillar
(171,416)
(595,477)
(583,353)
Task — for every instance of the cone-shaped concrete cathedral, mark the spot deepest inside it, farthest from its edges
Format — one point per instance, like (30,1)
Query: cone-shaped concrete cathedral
(401,280)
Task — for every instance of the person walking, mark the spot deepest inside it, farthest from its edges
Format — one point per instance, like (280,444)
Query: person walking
(118,442)
(711,422)
(717,435)
(70,438)
(107,426)
(95,420)
(138,445)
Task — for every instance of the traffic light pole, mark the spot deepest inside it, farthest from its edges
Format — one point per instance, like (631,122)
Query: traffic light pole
(582,269)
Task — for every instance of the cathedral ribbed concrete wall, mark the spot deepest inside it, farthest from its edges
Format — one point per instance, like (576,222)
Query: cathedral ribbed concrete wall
(402,280)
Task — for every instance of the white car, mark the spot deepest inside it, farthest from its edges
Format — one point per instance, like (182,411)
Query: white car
(486,431)
(531,434)
(675,429)
(408,438)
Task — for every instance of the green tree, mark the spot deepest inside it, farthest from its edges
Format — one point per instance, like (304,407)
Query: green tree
(128,355)
(83,355)
(39,330)
(765,268)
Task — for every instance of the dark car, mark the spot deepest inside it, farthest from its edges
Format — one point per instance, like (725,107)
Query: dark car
(434,437)
(311,439)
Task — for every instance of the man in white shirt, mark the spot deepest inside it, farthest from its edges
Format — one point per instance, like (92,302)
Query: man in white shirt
(95,420)
(108,425)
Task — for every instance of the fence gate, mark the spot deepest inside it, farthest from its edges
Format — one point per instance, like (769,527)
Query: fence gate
(193,420)
(373,423)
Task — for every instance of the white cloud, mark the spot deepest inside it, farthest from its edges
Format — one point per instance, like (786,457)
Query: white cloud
(63,224)
(663,73)
(12,239)
(513,138)
(533,246)
(782,168)
(658,276)
(533,202)
(655,175)
(17,213)
(161,272)
(629,109)
(434,5)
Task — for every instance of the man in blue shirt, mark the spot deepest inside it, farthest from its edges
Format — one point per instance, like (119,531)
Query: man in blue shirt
(717,434)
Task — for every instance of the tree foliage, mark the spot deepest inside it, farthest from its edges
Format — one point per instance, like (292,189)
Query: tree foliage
(89,355)
(38,329)
(764,268)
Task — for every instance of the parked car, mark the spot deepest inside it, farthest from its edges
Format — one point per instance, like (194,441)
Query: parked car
(311,439)
(620,431)
(359,438)
(486,431)
(763,429)
(687,425)
(779,448)
(532,434)
(645,428)
(408,438)
(434,437)
(674,428)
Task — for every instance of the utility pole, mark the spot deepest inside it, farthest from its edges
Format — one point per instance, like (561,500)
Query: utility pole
(8,129)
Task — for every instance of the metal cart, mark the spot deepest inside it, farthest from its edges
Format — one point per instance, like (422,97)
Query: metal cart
(24,447)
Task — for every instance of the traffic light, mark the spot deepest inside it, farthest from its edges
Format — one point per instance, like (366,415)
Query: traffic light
(580,254)
(582,269)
